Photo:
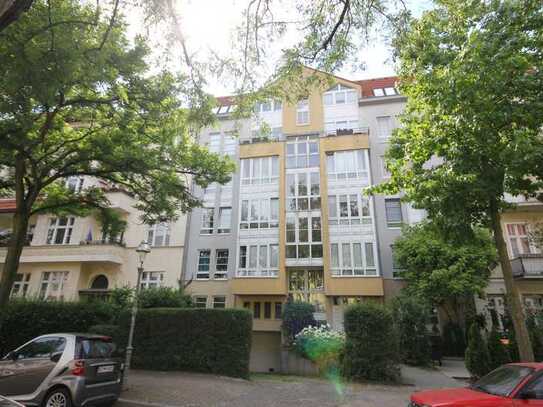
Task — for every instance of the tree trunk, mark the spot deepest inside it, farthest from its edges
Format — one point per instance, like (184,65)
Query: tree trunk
(13,256)
(513,296)
(11,10)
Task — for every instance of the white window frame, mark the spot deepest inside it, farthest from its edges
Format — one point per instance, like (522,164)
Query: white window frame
(253,170)
(266,268)
(307,293)
(517,237)
(158,235)
(151,279)
(55,227)
(202,274)
(275,105)
(346,267)
(385,126)
(19,289)
(348,164)
(385,173)
(221,264)
(310,201)
(207,225)
(259,213)
(219,302)
(302,159)
(363,205)
(302,113)
(197,301)
(225,225)
(393,224)
(350,95)
(298,243)
(52,284)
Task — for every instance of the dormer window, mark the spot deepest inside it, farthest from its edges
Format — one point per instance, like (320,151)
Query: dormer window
(340,95)
(388,91)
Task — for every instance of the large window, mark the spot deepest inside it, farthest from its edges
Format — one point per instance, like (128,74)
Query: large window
(340,95)
(352,209)
(519,241)
(225,219)
(353,259)
(303,191)
(258,260)
(52,284)
(222,143)
(219,302)
(302,152)
(302,112)
(393,210)
(304,237)
(60,230)
(151,279)
(221,264)
(204,260)
(20,285)
(259,213)
(307,286)
(262,170)
(159,234)
(207,221)
(347,164)
(268,106)
(200,301)
(385,125)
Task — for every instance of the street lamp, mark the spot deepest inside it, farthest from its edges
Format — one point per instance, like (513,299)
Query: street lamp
(142,250)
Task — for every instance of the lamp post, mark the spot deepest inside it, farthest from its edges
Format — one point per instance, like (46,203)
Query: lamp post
(142,250)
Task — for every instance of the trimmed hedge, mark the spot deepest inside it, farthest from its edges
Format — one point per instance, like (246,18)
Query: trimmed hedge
(297,315)
(371,346)
(201,340)
(23,320)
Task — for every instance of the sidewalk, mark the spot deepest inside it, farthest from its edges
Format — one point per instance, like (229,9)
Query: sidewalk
(455,368)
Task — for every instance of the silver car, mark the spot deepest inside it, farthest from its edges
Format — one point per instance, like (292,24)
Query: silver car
(62,370)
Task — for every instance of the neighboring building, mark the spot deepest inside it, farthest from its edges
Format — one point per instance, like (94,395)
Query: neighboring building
(68,258)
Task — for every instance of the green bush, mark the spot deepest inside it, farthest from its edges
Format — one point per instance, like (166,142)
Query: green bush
(454,340)
(201,340)
(163,297)
(23,320)
(296,316)
(410,317)
(536,335)
(371,347)
(497,351)
(477,355)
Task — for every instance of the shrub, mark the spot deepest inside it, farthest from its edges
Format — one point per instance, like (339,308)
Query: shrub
(410,317)
(497,351)
(371,345)
(321,345)
(536,336)
(454,341)
(23,320)
(201,340)
(296,316)
(477,356)
(163,297)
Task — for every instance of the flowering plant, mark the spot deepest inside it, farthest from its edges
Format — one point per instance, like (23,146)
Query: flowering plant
(319,344)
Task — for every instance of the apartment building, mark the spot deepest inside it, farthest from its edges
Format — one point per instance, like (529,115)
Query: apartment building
(67,258)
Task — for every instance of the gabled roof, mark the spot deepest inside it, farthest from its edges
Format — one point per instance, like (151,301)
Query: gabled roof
(7,205)
(368,85)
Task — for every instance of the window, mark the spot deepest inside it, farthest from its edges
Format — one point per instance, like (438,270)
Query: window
(207,221)
(151,279)
(352,259)
(388,91)
(41,348)
(204,259)
(20,285)
(256,310)
(267,310)
(262,170)
(346,125)
(302,112)
(52,284)
(384,126)
(384,170)
(60,230)
(303,191)
(396,269)
(378,92)
(200,302)
(259,213)
(94,348)
(75,184)
(278,310)
(303,236)
(519,242)
(225,220)
(352,209)
(159,234)
(221,264)
(393,209)
(219,302)
(339,95)
(347,164)
(258,260)
(268,105)
(302,152)
(308,286)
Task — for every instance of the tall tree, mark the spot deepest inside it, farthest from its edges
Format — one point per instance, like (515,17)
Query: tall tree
(473,75)
(77,99)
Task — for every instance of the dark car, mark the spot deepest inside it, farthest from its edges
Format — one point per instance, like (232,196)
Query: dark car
(62,370)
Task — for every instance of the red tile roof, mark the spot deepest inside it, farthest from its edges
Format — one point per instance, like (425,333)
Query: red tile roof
(368,85)
(225,100)
(7,205)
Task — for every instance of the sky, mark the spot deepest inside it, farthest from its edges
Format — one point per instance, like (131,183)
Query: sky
(209,24)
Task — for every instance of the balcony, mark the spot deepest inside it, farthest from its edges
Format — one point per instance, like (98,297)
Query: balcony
(332,131)
(528,266)
(85,252)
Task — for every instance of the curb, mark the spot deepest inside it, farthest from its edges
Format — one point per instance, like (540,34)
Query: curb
(149,404)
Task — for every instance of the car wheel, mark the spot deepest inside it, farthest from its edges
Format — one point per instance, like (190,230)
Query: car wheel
(58,397)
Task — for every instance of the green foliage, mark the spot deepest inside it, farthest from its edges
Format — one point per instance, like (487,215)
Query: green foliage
(410,318)
(112,224)
(23,320)
(497,351)
(438,268)
(163,297)
(105,329)
(454,340)
(478,360)
(296,316)
(536,335)
(121,297)
(200,340)
(372,344)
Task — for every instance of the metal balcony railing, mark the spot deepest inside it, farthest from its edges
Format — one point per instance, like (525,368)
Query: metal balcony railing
(528,266)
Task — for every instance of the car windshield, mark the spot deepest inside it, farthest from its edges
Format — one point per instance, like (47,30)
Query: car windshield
(503,380)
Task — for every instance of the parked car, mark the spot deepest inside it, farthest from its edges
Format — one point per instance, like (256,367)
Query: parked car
(512,385)
(62,370)
(5,402)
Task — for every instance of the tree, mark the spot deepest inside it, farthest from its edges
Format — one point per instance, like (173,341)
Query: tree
(473,75)
(443,270)
(477,356)
(10,11)
(76,99)
(497,351)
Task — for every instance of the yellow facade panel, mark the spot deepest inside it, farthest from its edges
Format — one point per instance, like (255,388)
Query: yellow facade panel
(264,149)
(355,286)
(347,142)
(260,286)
